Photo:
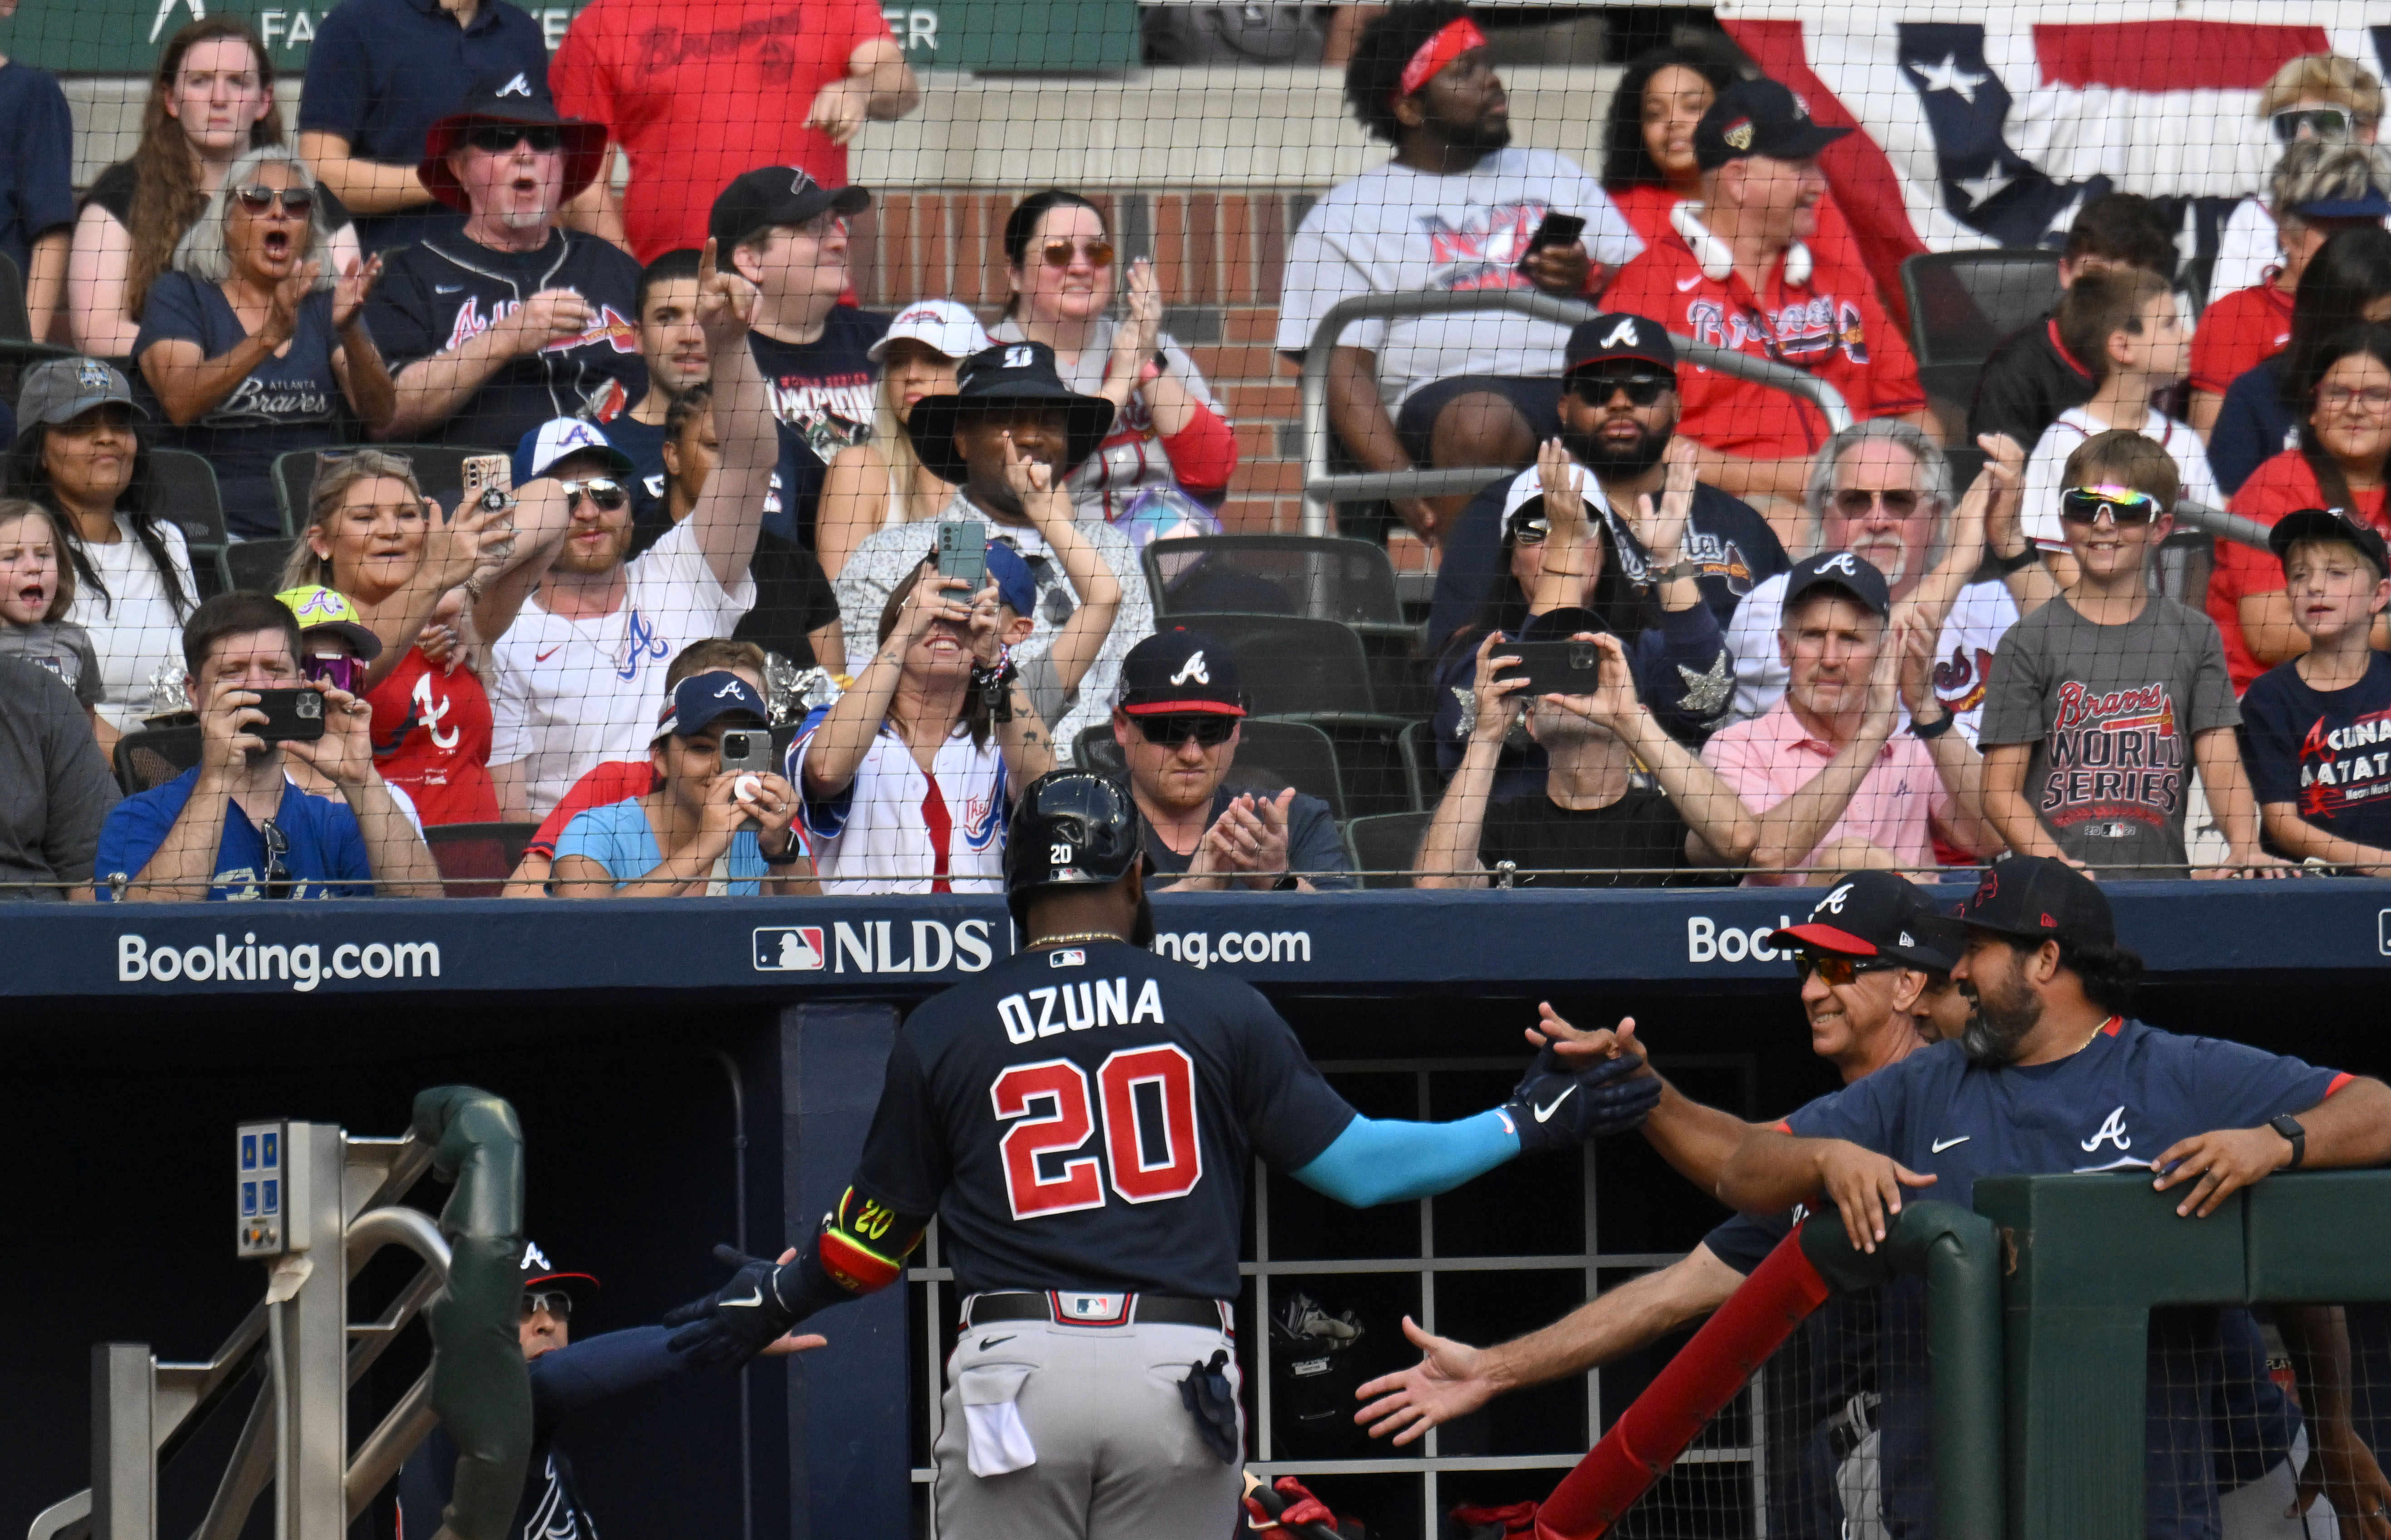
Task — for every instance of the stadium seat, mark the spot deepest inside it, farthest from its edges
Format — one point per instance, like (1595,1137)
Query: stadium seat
(1094,750)
(1374,771)
(1386,842)
(439,470)
(18,350)
(150,757)
(1318,578)
(1963,302)
(1272,755)
(184,492)
(475,858)
(256,564)
(1292,664)
(1419,746)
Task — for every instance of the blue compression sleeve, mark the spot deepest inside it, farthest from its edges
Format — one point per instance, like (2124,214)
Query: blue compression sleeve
(1390,1163)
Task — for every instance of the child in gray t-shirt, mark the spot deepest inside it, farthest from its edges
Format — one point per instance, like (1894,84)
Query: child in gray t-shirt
(36,588)
(2104,702)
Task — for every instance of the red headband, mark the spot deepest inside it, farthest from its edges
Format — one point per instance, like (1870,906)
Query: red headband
(1452,40)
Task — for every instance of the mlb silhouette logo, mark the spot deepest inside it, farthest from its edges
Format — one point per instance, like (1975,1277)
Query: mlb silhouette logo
(790,949)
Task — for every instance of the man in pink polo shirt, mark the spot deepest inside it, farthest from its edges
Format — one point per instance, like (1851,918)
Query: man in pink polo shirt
(1841,776)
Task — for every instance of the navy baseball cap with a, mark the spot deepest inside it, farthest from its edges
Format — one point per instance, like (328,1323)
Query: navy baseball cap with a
(1758,117)
(1848,570)
(1177,672)
(2037,898)
(772,196)
(538,1272)
(701,700)
(2330,524)
(1015,585)
(1616,334)
(1875,913)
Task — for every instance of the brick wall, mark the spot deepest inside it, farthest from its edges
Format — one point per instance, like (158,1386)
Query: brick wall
(1217,254)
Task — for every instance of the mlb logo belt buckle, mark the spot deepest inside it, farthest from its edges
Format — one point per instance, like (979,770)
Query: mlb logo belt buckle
(1091,1309)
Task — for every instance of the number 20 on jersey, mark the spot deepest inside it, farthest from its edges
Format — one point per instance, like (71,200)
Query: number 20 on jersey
(1146,1099)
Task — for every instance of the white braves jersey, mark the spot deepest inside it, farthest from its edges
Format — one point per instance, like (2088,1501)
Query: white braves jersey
(566,694)
(898,830)
(1963,656)
(2046,468)
(1394,230)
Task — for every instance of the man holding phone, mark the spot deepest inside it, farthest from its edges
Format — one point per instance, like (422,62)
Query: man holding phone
(1591,825)
(234,826)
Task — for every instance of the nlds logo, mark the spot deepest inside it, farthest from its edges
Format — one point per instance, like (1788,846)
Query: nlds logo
(874,946)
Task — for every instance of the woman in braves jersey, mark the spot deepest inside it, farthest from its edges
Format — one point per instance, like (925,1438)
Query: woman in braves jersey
(372,536)
(1082,1119)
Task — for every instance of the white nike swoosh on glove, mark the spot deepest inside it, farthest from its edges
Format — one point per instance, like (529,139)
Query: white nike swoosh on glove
(755,1298)
(1544,1112)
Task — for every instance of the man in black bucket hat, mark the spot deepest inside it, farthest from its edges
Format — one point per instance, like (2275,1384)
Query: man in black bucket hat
(1009,436)
(512,320)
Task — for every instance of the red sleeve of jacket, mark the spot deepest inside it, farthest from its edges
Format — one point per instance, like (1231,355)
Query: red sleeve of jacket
(1204,453)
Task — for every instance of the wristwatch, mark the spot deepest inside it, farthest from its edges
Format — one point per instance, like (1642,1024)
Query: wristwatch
(1927,732)
(2289,1127)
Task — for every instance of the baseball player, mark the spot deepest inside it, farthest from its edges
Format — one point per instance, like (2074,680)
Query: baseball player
(1081,1119)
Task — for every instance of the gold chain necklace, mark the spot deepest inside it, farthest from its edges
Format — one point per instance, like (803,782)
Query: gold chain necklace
(1080,935)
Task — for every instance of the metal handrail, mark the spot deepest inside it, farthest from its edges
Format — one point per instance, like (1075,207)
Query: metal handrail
(2223,525)
(1322,487)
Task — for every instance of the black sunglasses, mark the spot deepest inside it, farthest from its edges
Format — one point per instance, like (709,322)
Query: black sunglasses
(1642,390)
(1855,502)
(1836,969)
(604,494)
(499,138)
(295,201)
(278,845)
(1209,728)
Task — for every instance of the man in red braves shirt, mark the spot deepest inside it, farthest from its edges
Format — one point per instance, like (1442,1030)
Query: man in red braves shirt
(1735,271)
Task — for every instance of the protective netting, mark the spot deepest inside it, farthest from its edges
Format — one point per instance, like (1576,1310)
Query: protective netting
(1951,371)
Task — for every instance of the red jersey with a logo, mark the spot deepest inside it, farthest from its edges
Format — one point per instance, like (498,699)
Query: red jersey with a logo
(2276,488)
(698,92)
(2238,332)
(432,736)
(1815,312)
(1647,209)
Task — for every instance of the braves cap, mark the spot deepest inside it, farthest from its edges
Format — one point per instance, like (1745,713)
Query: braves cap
(775,195)
(537,1270)
(1015,585)
(2040,898)
(2330,524)
(1618,335)
(703,699)
(942,326)
(1758,117)
(559,437)
(322,609)
(1853,573)
(1180,670)
(2369,204)
(1875,913)
(60,389)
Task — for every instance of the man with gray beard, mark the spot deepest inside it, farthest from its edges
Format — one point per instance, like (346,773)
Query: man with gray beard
(2049,1075)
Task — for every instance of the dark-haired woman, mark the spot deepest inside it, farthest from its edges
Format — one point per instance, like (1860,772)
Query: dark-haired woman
(1648,162)
(2347,282)
(78,455)
(2341,463)
(1558,556)
(211,102)
(1167,427)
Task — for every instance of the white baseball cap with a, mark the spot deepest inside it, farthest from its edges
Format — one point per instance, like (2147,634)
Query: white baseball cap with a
(941,324)
(1529,487)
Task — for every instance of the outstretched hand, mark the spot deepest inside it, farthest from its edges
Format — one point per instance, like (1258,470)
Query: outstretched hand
(1449,1381)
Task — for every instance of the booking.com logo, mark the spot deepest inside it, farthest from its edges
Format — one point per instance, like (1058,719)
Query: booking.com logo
(1707,941)
(1197,949)
(302,967)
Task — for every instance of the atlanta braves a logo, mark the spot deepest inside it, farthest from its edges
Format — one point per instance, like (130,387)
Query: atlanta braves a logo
(610,326)
(2112,1131)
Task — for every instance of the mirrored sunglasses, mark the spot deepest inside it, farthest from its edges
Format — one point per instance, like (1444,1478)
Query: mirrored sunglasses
(1059,251)
(1210,729)
(340,670)
(1642,390)
(295,201)
(603,493)
(2123,506)
(556,1302)
(1835,968)
(499,138)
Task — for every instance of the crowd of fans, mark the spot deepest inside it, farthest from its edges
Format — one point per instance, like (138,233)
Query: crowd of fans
(905,550)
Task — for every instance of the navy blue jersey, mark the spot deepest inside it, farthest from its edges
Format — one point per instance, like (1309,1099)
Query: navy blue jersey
(2327,752)
(1086,1118)
(822,396)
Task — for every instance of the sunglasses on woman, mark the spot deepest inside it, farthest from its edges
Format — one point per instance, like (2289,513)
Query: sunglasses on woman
(1855,502)
(499,138)
(2330,123)
(1208,728)
(1059,251)
(1642,390)
(2123,506)
(295,201)
(604,495)
(1837,970)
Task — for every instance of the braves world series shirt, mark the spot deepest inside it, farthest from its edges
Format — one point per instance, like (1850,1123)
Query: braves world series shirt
(1086,1117)
(448,290)
(823,394)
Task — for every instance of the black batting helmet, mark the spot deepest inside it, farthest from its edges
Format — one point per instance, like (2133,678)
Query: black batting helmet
(1071,828)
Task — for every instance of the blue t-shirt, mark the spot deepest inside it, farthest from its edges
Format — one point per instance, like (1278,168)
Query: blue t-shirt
(383,71)
(292,402)
(326,857)
(2253,427)
(36,175)
(2328,752)
(645,447)
(2130,1094)
(618,837)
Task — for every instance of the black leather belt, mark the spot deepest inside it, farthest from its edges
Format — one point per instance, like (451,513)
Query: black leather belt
(1090,1307)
